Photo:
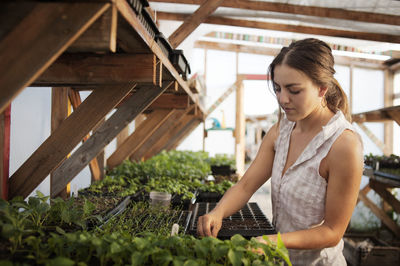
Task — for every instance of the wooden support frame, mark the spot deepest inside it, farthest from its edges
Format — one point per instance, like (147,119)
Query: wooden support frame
(94,69)
(379,37)
(101,36)
(380,214)
(382,191)
(24,55)
(64,139)
(193,21)
(183,133)
(160,143)
(95,170)
(380,115)
(5,123)
(164,127)
(144,96)
(138,137)
(59,112)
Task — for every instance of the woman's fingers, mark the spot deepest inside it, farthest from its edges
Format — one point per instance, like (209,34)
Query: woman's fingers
(204,225)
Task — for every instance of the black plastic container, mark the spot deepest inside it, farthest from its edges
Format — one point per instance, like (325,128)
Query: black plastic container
(222,170)
(165,46)
(138,5)
(180,63)
(248,222)
(208,197)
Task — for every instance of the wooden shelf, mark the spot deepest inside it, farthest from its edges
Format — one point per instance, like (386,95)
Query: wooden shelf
(379,115)
(97,45)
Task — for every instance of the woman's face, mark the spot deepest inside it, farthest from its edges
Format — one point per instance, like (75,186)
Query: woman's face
(296,93)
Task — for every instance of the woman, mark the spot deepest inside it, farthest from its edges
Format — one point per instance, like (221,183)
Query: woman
(313,156)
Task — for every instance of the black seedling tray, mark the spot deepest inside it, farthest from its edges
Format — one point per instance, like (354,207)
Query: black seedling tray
(208,197)
(249,222)
(180,63)
(165,46)
(138,5)
(148,23)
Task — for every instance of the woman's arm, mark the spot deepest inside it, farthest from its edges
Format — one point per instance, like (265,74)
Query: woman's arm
(345,166)
(235,197)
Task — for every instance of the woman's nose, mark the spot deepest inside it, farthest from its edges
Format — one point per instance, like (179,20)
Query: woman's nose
(283,97)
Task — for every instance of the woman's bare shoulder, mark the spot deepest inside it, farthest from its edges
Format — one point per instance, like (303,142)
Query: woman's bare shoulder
(347,148)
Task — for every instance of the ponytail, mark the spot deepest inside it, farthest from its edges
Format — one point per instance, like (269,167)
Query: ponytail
(336,99)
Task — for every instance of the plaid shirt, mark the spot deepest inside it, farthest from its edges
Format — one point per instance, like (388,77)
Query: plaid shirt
(298,195)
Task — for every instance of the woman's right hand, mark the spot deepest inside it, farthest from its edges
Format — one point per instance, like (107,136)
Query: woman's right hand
(209,224)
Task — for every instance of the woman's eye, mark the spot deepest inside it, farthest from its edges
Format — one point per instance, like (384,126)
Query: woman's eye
(277,89)
(294,92)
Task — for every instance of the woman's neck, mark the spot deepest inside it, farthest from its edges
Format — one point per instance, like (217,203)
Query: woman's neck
(314,121)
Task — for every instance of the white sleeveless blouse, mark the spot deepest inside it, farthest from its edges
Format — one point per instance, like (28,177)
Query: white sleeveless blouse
(298,197)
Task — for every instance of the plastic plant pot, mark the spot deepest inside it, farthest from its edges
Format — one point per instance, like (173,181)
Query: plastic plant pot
(162,199)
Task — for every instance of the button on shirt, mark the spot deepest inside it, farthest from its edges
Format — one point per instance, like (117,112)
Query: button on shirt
(298,195)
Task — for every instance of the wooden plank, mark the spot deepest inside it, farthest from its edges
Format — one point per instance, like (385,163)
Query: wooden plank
(381,215)
(164,127)
(101,36)
(379,37)
(324,12)
(122,136)
(174,134)
(138,137)
(379,115)
(193,21)
(5,120)
(96,172)
(184,133)
(388,101)
(240,48)
(240,128)
(96,69)
(372,136)
(101,160)
(160,143)
(386,195)
(62,141)
(395,115)
(25,54)
(169,101)
(105,134)
(59,112)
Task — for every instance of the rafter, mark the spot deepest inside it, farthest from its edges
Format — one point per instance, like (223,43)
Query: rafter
(193,21)
(288,28)
(325,12)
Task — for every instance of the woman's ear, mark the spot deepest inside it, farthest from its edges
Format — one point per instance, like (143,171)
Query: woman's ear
(322,91)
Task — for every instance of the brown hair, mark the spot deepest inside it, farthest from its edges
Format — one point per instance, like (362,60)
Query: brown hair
(314,58)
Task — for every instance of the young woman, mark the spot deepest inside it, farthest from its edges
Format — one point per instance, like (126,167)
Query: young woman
(313,156)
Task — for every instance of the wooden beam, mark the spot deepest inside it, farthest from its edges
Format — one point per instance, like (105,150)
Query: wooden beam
(25,54)
(160,143)
(193,21)
(380,214)
(379,37)
(59,112)
(95,69)
(386,195)
(5,122)
(99,37)
(388,91)
(165,126)
(105,134)
(138,137)
(184,133)
(395,115)
(372,136)
(324,12)
(95,170)
(166,101)
(64,139)
(379,115)
(240,48)
(240,128)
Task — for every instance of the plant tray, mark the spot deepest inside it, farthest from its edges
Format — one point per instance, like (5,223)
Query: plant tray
(148,23)
(208,197)
(248,222)
(369,251)
(138,5)
(180,63)
(222,170)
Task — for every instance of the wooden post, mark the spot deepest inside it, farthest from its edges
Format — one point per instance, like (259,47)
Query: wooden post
(388,101)
(59,111)
(5,119)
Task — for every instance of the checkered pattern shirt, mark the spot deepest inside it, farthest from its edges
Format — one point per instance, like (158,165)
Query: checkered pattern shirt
(298,195)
